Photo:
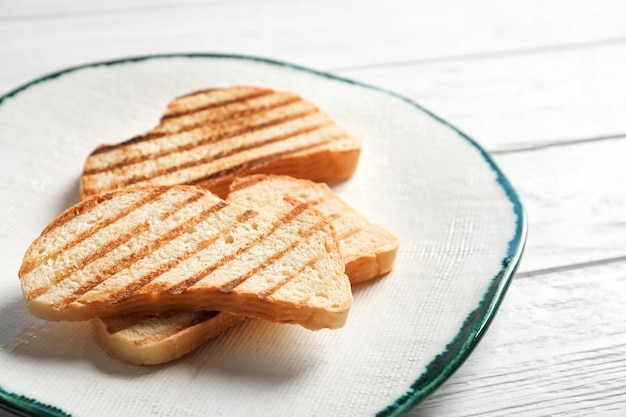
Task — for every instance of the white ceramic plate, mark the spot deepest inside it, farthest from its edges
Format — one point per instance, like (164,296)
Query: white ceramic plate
(460,223)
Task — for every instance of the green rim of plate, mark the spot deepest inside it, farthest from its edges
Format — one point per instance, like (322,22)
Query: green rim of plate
(475,324)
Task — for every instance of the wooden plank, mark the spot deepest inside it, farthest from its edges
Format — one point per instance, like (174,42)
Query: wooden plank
(514,75)
(574,197)
(555,348)
(516,101)
(29,9)
(325,35)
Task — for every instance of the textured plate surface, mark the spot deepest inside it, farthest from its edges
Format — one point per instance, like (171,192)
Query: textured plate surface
(460,223)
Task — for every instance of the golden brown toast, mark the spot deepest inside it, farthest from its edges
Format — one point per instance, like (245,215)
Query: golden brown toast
(209,137)
(367,249)
(155,249)
(152,340)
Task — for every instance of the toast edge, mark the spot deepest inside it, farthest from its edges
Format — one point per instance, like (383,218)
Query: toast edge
(168,349)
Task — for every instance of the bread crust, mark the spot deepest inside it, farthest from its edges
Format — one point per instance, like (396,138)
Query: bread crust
(372,256)
(211,136)
(182,248)
(169,340)
(192,122)
(368,250)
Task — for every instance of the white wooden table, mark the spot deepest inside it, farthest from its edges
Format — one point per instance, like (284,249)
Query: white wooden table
(541,85)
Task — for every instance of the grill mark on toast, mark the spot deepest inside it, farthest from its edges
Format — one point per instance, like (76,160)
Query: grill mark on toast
(350,232)
(279,285)
(29,267)
(252,180)
(242,129)
(83,208)
(221,155)
(37,293)
(224,113)
(155,134)
(146,250)
(248,214)
(172,115)
(181,204)
(184,285)
(115,326)
(314,203)
(199,318)
(131,288)
(253,163)
(246,182)
(99,253)
(229,286)
(333,216)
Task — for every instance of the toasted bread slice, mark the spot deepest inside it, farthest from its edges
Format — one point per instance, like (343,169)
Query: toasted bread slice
(367,249)
(157,249)
(152,340)
(209,137)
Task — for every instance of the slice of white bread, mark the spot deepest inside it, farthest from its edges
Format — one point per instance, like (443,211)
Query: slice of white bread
(367,249)
(156,249)
(152,340)
(209,137)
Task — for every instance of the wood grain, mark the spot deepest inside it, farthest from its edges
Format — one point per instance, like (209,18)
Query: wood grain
(325,34)
(574,198)
(521,100)
(540,84)
(555,348)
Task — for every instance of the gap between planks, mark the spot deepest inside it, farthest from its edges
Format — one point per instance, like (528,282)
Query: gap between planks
(107,9)
(570,267)
(557,144)
(489,55)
